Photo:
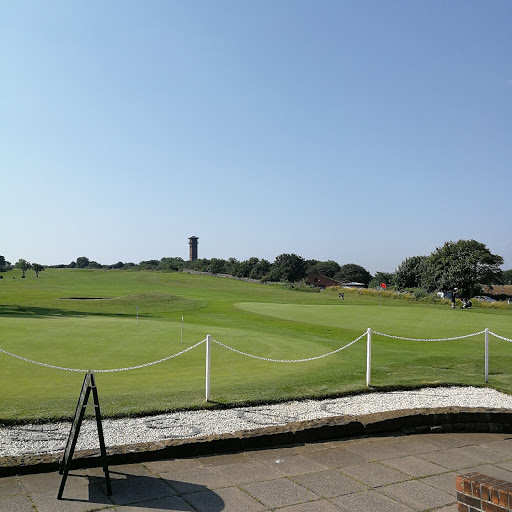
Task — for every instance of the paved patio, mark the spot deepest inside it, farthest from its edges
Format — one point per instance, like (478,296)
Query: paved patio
(391,473)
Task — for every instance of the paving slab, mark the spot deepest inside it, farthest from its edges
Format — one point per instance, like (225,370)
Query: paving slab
(502,446)
(17,503)
(133,483)
(279,493)
(417,495)
(444,482)
(369,501)
(414,466)
(484,454)
(10,486)
(195,480)
(80,494)
(335,457)
(174,465)
(444,441)
(312,506)
(376,449)
(505,465)
(223,459)
(294,465)
(455,458)
(246,472)
(328,484)
(229,499)
(174,503)
(374,474)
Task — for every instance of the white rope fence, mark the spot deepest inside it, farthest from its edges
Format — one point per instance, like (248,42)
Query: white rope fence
(500,337)
(289,360)
(429,339)
(208,341)
(103,371)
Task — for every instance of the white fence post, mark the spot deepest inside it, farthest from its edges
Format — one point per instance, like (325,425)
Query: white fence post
(486,355)
(208,347)
(368,355)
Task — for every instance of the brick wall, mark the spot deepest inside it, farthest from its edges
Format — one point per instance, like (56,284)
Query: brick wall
(481,493)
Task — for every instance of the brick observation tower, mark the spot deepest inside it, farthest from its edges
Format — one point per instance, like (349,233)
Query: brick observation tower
(192,242)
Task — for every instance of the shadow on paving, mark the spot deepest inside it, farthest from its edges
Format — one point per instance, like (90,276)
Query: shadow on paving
(143,491)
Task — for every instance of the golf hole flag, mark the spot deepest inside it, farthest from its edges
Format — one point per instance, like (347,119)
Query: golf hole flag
(383,285)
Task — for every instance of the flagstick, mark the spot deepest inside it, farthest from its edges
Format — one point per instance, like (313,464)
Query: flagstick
(137,320)
(182,329)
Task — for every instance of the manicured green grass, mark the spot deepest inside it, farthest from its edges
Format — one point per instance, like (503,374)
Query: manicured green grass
(42,319)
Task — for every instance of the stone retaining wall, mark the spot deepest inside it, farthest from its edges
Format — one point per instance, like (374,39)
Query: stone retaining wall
(403,422)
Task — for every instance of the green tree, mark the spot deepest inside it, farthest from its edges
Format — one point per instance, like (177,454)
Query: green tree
(149,265)
(199,265)
(172,264)
(23,265)
(36,267)
(352,273)
(245,267)
(327,268)
(409,272)
(217,266)
(464,265)
(232,267)
(260,269)
(506,276)
(3,264)
(288,267)
(82,262)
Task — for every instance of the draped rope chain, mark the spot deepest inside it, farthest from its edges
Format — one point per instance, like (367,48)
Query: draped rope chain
(246,354)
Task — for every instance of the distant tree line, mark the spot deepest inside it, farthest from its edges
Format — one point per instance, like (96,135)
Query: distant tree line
(464,265)
(22,265)
(285,268)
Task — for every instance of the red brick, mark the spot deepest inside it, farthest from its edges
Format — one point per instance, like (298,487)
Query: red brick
(475,489)
(469,500)
(503,497)
(462,508)
(485,482)
(459,483)
(490,507)
(494,495)
(485,491)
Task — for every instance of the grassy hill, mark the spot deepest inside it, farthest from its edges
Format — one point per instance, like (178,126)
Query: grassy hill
(83,319)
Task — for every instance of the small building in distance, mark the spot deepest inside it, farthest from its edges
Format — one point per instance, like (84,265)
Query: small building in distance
(321,281)
(192,253)
(354,285)
(498,289)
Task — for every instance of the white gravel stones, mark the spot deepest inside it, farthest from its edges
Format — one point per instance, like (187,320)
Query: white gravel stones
(51,438)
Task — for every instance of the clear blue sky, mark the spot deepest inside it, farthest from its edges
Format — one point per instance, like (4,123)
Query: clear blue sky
(359,131)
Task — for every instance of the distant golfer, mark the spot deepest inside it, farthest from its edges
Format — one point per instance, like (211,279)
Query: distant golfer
(454,292)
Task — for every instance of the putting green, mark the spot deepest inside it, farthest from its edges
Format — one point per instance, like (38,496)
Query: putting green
(401,320)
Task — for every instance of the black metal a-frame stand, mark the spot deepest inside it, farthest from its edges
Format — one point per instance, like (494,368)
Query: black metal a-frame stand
(88,385)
